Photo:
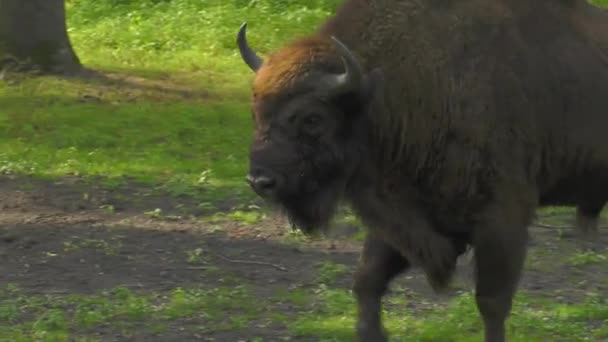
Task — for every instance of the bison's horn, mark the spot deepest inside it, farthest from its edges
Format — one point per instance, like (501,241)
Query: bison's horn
(352,77)
(247,54)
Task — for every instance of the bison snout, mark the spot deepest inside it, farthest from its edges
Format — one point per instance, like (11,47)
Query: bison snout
(263,182)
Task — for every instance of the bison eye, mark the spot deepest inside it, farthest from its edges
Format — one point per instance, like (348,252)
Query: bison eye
(312,120)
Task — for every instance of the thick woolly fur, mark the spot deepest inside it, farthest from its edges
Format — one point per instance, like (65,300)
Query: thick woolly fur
(291,64)
(486,109)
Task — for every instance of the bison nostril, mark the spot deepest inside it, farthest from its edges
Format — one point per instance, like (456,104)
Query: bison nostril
(265,183)
(261,183)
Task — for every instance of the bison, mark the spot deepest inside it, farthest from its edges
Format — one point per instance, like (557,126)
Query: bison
(587,214)
(587,218)
(444,125)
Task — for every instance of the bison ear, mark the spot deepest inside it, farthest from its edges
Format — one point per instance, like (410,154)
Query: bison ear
(357,103)
(372,85)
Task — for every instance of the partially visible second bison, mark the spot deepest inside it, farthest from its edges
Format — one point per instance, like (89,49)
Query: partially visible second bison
(587,215)
(444,124)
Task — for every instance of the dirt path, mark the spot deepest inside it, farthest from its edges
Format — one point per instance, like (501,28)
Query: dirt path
(61,239)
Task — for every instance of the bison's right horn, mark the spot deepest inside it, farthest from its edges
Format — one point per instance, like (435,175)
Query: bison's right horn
(352,77)
(247,54)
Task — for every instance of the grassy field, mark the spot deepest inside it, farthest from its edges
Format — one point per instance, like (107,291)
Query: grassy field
(171,115)
(325,314)
(173,110)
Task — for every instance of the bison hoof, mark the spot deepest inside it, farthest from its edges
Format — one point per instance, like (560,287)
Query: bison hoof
(371,335)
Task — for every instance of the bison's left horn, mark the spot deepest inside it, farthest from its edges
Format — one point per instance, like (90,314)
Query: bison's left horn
(352,77)
(247,54)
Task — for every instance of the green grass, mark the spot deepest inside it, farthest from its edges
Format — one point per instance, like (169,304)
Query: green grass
(326,314)
(601,3)
(247,216)
(196,35)
(177,145)
(587,258)
(62,317)
(332,319)
(109,248)
(329,272)
(180,120)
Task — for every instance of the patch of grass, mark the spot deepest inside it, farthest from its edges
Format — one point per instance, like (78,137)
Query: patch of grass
(158,214)
(347,218)
(173,145)
(550,256)
(587,258)
(323,313)
(109,248)
(117,304)
(296,237)
(50,318)
(330,271)
(197,37)
(333,319)
(244,216)
(59,317)
(196,256)
(299,297)
(558,215)
(210,304)
(537,260)
(108,208)
(360,236)
(173,107)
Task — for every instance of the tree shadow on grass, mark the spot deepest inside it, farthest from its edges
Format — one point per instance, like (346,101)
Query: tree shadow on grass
(125,196)
(160,87)
(133,85)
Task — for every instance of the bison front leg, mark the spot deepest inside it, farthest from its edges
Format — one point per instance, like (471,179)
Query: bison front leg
(500,250)
(379,264)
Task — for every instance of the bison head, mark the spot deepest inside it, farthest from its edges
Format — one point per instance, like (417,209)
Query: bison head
(308,100)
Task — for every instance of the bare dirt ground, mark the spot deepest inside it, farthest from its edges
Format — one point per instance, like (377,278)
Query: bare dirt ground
(40,219)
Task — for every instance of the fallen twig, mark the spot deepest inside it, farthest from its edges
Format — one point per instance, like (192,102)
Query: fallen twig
(250,262)
(53,292)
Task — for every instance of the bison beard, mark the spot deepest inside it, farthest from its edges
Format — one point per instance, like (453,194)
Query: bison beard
(310,212)
(312,195)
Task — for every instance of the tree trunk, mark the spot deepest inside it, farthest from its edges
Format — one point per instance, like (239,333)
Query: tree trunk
(33,33)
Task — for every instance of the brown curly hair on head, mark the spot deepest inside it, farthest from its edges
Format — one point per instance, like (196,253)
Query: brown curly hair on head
(286,66)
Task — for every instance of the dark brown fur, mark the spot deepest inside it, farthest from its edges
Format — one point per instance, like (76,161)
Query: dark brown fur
(476,113)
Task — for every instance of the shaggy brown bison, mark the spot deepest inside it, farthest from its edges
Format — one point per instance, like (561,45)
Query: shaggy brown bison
(444,124)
